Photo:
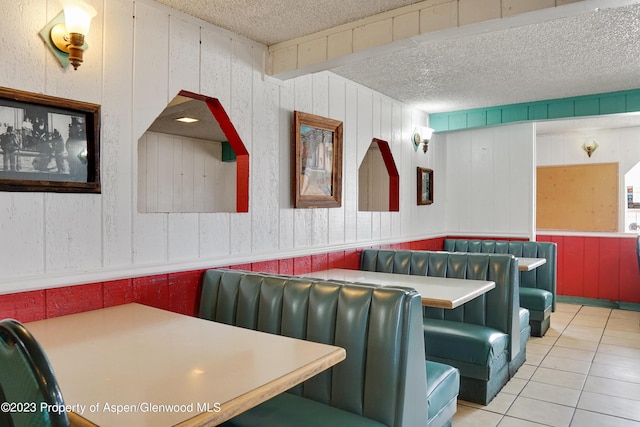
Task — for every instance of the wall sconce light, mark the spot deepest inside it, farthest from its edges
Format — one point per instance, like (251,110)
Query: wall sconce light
(421,135)
(66,32)
(590,147)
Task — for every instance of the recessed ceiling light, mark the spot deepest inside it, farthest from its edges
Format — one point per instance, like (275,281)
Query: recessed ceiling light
(186,120)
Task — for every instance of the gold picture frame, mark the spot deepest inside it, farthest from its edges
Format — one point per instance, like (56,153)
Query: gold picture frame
(317,181)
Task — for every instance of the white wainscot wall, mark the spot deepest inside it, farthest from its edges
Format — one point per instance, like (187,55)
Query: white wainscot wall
(491,181)
(142,54)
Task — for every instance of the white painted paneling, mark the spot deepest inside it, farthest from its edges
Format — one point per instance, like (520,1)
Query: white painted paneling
(350,165)
(140,55)
(320,217)
(150,89)
(25,73)
(71,240)
(337,96)
(22,251)
(285,121)
(480,163)
(242,76)
(118,155)
(302,218)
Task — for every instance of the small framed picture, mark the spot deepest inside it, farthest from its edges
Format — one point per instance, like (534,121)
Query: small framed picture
(425,186)
(48,144)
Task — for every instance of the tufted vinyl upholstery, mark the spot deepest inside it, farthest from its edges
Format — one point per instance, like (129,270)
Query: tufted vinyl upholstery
(537,287)
(482,337)
(383,380)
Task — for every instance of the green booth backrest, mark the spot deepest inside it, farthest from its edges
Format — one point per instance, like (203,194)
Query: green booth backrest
(383,376)
(543,277)
(497,309)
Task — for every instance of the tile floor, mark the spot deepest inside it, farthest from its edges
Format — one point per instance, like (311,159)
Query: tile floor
(584,372)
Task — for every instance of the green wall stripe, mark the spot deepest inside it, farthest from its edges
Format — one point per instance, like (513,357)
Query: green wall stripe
(580,106)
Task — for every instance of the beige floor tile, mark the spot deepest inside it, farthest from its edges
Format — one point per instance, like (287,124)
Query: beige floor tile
(514,386)
(467,416)
(577,344)
(533,358)
(616,360)
(635,336)
(551,393)
(572,353)
(517,422)
(562,307)
(621,342)
(610,405)
(583,333)
(584,418)
(594,311)
(610,387)
(501,403)
(549,338)
(537,348)
(593,321)
(541,412)
(525,372)
(615,372)
(625,314)
(630,352)
(564,364)
(561,378)
(624,325)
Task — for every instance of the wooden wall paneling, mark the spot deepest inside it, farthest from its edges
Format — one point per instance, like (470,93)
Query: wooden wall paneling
(364,128)
(395,144)
(586,262)
(72,232)
(215,81)
(265,169)
(522,175)
(481,201)
(503,186)
(629,272)
(609,275)
(285,135)
(118,155)
(243,67)
(409,218)
(166,174)
(376,216)
(320,217)
(22,246)
(350,165)
(184,74)
(150,58)
(29,18)
(385,135)
(303,218)
(574,269)
(337,106)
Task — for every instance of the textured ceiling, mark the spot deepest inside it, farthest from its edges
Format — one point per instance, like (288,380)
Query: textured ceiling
(273,21)
(595,50)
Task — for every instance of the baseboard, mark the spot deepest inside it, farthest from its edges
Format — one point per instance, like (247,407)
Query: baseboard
(599,303)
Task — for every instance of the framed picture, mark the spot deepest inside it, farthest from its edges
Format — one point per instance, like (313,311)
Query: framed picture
(48,143)
(317,181)
(425,186)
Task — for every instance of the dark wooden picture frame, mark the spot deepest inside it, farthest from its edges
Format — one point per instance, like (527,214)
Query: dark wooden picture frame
(317,181)
(425,186)
(48,144)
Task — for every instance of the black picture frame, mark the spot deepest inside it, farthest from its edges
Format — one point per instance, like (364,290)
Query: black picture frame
(48,144)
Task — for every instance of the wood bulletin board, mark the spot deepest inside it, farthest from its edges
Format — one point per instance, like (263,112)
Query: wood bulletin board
(578,197)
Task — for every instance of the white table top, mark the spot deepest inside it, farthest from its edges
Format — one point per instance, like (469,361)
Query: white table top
(528,264)
(435,291)
(205,372)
